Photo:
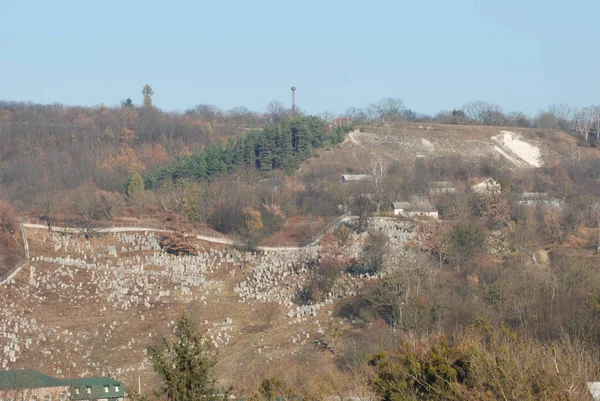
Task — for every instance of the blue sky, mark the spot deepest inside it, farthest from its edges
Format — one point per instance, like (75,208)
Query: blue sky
(521,54)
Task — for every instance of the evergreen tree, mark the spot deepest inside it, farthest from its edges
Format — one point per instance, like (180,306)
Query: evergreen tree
(316,130)
(264,153)
(185,364)
(136,185)
(200,166)
(283,146)
(128,103)
(249,154)
(237,152)
(271,140)
(147,93)
(184,168)
(213,160)
(301,138)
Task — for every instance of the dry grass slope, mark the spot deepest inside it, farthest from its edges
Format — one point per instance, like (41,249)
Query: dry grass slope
(406,142)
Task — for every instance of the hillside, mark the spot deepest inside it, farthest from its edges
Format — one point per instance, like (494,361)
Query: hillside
(496,271)
(86,307)
(406,142)
(48,150)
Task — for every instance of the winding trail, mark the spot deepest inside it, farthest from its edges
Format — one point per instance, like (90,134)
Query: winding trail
(313,244)
(352,138)
(215,240)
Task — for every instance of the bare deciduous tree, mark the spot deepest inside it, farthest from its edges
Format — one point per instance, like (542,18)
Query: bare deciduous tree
(584,121)
(596,124)
(356,114)
(561,111)
(389,109)
(484,112)
(563,115)
(327,116)
(267,313)
(276,111)
(112,204)
(238,113)
(206,112)
(172,196)
(378,169)
(362,207)
(86,202)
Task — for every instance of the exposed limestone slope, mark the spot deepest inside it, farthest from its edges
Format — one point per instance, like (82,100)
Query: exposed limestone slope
(515,147)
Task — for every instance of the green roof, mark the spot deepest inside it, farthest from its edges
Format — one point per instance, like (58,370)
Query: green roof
(14,379)
(98,388)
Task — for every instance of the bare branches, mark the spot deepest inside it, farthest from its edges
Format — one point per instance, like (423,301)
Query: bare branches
(484,113)
(584,121)
(378,169)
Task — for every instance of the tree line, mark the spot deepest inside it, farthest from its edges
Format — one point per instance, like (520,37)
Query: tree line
(51,149)
(583,122)
(279,146)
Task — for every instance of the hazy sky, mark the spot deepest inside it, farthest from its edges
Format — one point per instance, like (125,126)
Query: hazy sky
(433,54)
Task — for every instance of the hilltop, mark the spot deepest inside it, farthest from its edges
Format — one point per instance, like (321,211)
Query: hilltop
(512,147)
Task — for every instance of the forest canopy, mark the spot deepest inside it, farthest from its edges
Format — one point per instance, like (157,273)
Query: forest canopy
(280,146)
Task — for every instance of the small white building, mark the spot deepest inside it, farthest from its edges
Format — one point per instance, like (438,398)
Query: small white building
(355,177)
(415,209)
(441,187)
(487,186)
(539,199)
(399,208)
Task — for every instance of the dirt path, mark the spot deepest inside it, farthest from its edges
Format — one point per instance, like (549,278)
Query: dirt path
(215,240)
(352,138)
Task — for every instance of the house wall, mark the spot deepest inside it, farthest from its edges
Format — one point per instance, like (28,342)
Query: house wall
(441,190)
(541,202)
(433,215)
(486,187)
(55,394)
(405,213)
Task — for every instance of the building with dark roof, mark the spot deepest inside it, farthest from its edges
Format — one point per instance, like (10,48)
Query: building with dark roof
(399,208)
(415,209)
(96,388)
(31,385)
